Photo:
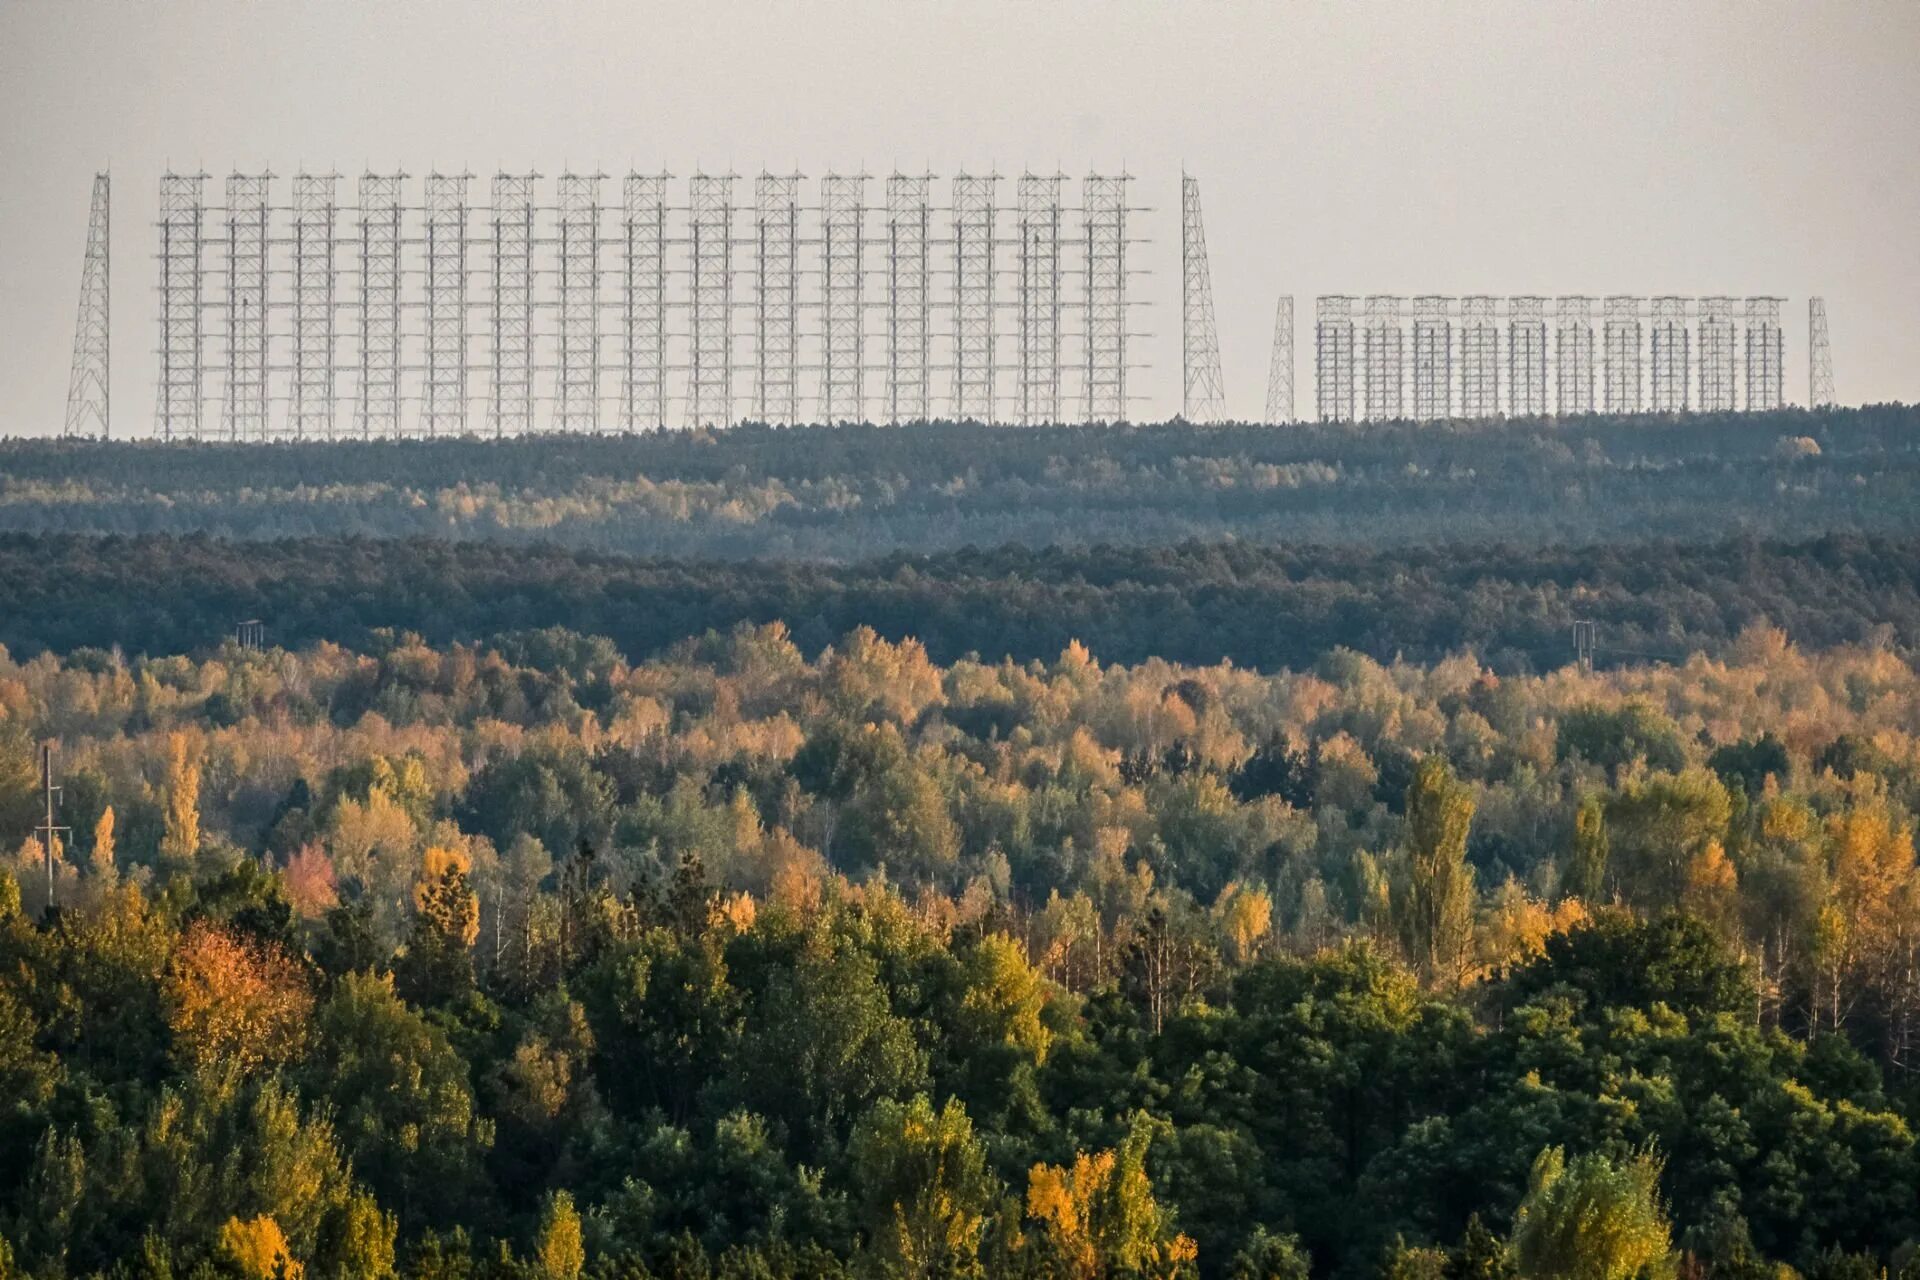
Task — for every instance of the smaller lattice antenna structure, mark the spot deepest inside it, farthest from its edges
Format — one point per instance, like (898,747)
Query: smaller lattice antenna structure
(50,832)
(88,405)
(1586,636)
(250,635)
(1280,367)
(1204,398)
(1819,357)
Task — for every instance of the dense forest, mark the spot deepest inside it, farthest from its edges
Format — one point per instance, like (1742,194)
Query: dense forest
(1264,607)
(525,959)
(851,493)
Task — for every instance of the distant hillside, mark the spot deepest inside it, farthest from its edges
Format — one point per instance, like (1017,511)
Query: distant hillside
(849,493)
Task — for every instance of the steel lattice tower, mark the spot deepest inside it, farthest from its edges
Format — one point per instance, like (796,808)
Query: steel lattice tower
(776,299)
(1333,358)
(909,333)
(1479,358)
(1671,355)
(1104,201)
(1820,393)
(975,341)
(377,399)
(1432,358)
(1040,299)
(843,215)
(710,385)
(448,277)
(1280,364)
(1527,357)
(1573,355)
(1383,360)
(183,335)
(643,302)
(510,402)
(1203,397)
(89,404)
(578,403)
(316,314)
(1718,358)
(244,308)
(1765,355)
(1623,348)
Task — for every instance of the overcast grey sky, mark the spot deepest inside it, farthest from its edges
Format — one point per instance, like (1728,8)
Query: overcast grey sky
(1416,146)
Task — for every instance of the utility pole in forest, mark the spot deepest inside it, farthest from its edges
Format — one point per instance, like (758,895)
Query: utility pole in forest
(1585,636)
(47,831)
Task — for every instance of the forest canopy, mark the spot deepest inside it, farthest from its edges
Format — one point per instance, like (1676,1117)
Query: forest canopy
(523,959)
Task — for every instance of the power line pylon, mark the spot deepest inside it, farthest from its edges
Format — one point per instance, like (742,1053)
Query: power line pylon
(49,832)
(88,402)
(1819,357)
(1280,367)
(1203,397)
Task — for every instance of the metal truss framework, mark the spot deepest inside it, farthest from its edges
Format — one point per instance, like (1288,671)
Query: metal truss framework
(1432,358)
(183,339)
(776,297)
(243,308)
(1104,201)
(1333,359)
(1820,393)
(316,306)
(1040,300)
(909,297)
(843,199)
(1573,356)
(1557,376)
(1280,365)
(510,405)
(453,307)
(1765,356)
(1202,395)
(1718,356)
(643,302)
(89,384)
(578,391)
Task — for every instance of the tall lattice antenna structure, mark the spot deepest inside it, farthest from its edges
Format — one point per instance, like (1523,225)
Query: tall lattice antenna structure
(710,383)
(1203,398)
(1333,370)
(510,399)
(1672,355)
(448,278)
(1479,358)
(776,297)
(243,308)
(1623,345)
(1820,393)
(1527,357)
(1718,356)
(183,336)
(1104,203)
(843,213)
(578,405)
(1432,358)
(316,307)
(643,302)
(89,404)
(1765,356)
(909,333)
(377,399)
(975,273)
(1383,360)
(1280,365)
(1040,299)
(1573,355)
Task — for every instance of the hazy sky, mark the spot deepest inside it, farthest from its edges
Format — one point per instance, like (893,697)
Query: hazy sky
(1459,147)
